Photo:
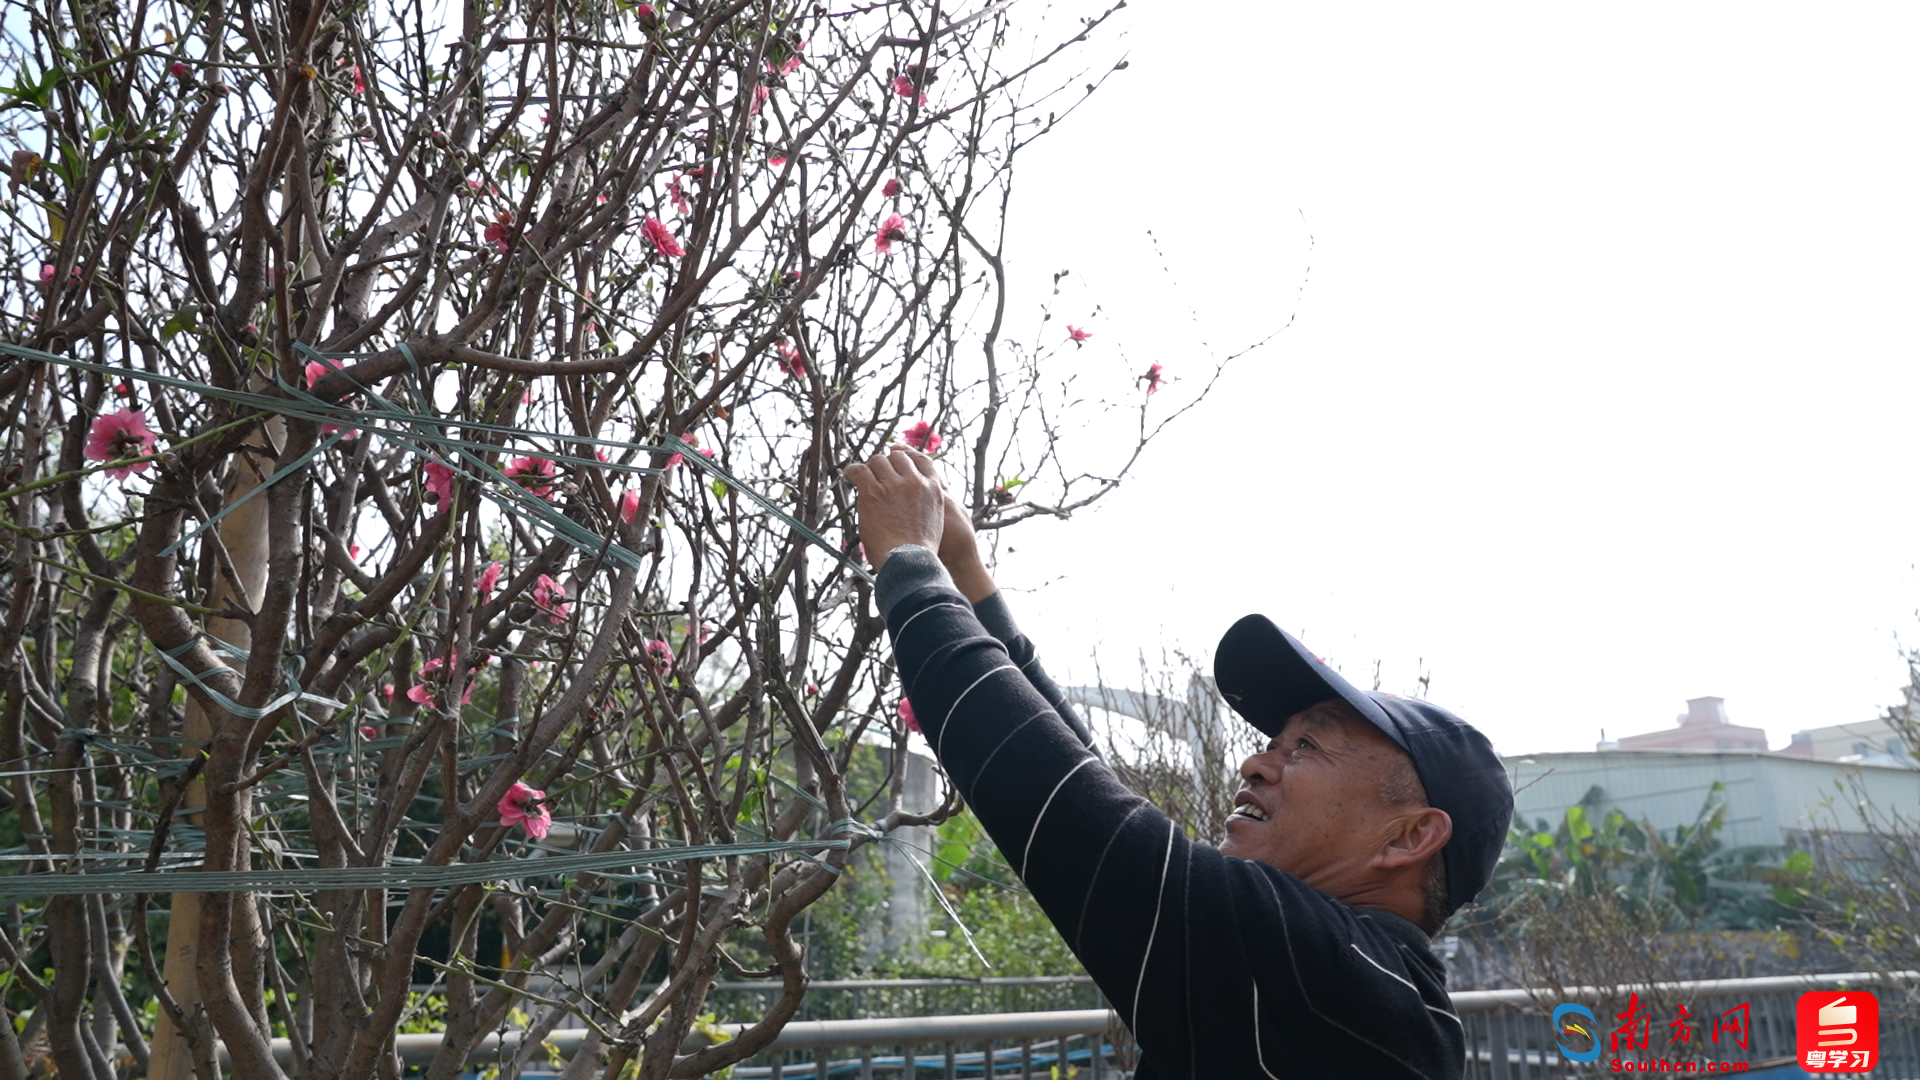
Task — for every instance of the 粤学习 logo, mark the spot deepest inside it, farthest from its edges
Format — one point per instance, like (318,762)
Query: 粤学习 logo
(1837,1031)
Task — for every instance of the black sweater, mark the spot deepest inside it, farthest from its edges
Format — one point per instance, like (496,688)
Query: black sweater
(1222,967)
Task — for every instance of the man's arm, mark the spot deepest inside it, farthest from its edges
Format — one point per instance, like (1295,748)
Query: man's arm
(960,554)
(1221,967)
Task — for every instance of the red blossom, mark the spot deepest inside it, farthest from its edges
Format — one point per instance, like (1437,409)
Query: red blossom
(1077,335)
(359,81)
(692,441)
(422,693)
(315,371)
(498,230)
(524,806)
(629,505)
(760,96)
(678,196)
(892,187)
(1153,379)
(892,229)
(906,716)
(662,238)
(489,578)
(439,485)
(905,88)
(777,160)
(123,388)
(178,69)
(550,596)
(119,435)
(535,474)
(367,731)
(660,656)
(47,271)
(790,360)
(922,437)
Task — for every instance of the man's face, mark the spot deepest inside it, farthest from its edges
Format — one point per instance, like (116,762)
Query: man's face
(1311,803)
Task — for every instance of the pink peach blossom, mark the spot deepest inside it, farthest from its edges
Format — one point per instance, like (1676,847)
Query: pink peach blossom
(790,360)
(905,88)
(691,441)
(777,160)
(489,578)
(47,271)
(368,731)
(535,474)
(677,195)
(439,485)
(659,655)
(760,95)
(359,81)
(524,806)
(499,230)
(892,187)
(892,230)
(1153,379)
(906,715)
(1077,335)
(550,596)
(662,238)
(629,505)
(118,435)
(922,437)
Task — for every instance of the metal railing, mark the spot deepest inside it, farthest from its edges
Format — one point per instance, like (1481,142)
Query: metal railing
(1508,1032)
(852,999)
(1510,1035)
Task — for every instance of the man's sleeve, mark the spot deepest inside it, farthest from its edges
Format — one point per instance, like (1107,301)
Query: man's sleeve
(1219,966)
(997,619)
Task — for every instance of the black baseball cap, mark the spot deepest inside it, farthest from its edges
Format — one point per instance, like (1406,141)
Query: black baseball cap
(1268,676)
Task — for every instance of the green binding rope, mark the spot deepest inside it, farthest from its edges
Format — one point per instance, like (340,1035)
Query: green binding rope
(404,876)
(412,429)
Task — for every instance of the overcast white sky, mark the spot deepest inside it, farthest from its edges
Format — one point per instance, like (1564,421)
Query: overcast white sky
(1601,390)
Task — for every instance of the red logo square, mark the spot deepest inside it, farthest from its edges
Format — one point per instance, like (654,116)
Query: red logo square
(1837,1031)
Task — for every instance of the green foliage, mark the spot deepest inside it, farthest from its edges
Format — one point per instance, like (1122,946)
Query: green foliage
(1686,878)
(842,931)
(1008,928)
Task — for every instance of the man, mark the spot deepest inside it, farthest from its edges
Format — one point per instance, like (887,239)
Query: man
(1298,948)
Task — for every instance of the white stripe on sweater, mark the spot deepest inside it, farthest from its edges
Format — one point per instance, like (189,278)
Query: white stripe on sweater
(1160,902)
(940,747)
(1356,948)
(1027,852)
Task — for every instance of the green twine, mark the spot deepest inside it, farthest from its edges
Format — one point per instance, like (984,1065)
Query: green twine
(401,876)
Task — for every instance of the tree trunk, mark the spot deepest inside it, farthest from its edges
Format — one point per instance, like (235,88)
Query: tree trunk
(243,535)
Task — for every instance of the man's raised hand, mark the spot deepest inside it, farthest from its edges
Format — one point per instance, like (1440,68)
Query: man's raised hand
(960,552)
(901,501)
